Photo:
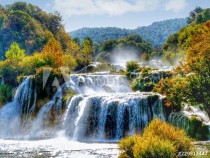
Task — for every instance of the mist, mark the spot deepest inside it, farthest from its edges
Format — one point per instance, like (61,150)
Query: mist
(122,56)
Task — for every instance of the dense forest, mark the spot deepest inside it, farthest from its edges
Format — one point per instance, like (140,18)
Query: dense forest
(156,33)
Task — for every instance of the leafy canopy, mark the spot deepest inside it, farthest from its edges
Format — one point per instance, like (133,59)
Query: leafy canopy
(15,53)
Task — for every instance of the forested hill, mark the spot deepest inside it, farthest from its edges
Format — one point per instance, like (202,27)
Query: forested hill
(31,28)
(100,35)
(156,33)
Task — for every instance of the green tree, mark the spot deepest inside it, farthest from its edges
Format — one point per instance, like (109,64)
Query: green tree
(193,14)
(87,51)
(15,53)
(5,94)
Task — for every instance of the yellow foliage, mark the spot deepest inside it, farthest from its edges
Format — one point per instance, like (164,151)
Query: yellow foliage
(31,63)
(69,61)
(158,140)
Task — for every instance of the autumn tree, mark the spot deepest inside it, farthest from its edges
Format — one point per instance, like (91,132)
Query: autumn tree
(53,53)
(192,85)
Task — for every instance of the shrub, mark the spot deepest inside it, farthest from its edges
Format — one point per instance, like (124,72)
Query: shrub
(159,140)
(126,145)
(5,94)
(198,130)
(173,89)
(146,57)
(132,66)
(10,72)
(31,63)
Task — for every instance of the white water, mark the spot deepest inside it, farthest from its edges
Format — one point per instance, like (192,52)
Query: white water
(11,113)
(104,110)
(102,116)
(57,147)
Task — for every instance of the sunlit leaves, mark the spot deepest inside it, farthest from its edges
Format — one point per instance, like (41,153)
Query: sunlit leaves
(15,53)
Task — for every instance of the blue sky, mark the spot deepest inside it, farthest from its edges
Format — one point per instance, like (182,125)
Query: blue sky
(118,13)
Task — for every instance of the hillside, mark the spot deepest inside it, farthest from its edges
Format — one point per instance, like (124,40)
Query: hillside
(156,33)
(100,35)
(31,28)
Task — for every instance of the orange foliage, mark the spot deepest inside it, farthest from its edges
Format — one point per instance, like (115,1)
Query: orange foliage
(53,53)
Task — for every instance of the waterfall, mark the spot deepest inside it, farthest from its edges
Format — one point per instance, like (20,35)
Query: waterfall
(104,108)
(193,120)
(110,116)
(23,104)
(178,119)
(41,126)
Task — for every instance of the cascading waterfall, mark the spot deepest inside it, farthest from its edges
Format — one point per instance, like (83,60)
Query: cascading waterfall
(40,127)
(19,109)
(106,116)
(103,109)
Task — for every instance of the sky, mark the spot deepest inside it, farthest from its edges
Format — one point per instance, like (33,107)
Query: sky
(128,14)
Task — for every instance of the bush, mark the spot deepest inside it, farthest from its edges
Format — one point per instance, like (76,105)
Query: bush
(159,140)
(198,130)
(131,67)
(31,63)
(10,72)
(5,94)
(142,85)
(148,79)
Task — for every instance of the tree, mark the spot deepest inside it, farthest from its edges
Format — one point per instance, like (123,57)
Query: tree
(53,53)
(87,51)
(193,14)
(77,40)
(15,53)
(193,87)
(54,22)
(69,61)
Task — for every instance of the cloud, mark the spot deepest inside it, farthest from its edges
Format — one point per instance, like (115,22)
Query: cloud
(101,7)
(175,5)
(114,7)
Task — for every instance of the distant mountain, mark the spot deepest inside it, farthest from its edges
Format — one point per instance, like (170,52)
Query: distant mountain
(100,35)
(156,33)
